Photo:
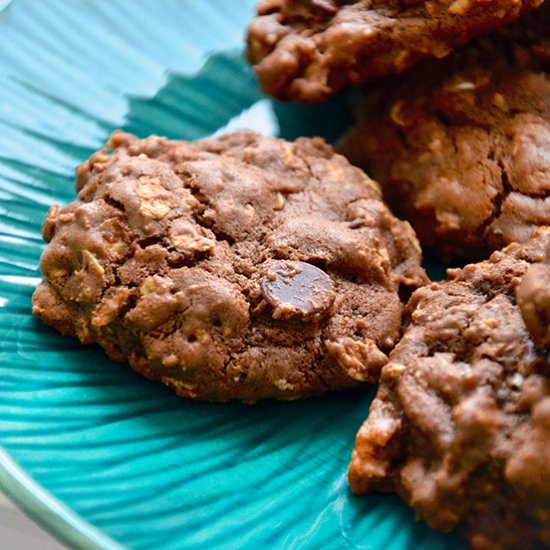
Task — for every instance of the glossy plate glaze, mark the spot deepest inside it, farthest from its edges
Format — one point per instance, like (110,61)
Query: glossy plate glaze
(99,456)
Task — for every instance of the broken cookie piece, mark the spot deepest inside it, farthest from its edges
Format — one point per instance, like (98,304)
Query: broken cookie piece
(307,50)
(237,267)
(461,147)
(460,425)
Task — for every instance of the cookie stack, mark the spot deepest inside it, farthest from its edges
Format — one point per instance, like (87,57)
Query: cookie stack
(460,144)
(247,267)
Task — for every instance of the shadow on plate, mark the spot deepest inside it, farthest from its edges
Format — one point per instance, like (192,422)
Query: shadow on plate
(182,109)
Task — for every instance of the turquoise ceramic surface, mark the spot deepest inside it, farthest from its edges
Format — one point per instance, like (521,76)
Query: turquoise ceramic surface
(96,454)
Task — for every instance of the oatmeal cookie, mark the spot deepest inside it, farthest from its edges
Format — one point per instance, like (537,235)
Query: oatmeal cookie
(306,50)
(460,425)
(461,147)
(237,267)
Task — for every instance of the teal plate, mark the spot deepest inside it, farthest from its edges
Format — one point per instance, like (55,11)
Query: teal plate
(99,456)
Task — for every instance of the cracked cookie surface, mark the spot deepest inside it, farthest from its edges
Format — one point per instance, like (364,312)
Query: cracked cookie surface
(238,267)
(306,50)
(461,147)
(460,425)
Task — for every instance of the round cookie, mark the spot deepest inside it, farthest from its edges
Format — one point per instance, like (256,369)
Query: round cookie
(461,148)
(238,267)
(307,50)
(460,425)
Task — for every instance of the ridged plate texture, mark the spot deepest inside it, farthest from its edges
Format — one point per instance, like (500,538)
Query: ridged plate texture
(98,455)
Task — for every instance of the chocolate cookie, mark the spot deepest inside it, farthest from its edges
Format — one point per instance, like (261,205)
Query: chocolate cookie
(462,147)
(239,267)
(460,426)
(306,50)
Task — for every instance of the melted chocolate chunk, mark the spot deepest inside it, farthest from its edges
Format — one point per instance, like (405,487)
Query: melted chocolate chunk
(297,290)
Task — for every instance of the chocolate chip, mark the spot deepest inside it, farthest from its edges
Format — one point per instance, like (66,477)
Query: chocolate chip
(297,290)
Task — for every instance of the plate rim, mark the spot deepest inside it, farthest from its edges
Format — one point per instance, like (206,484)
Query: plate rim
(48,511)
